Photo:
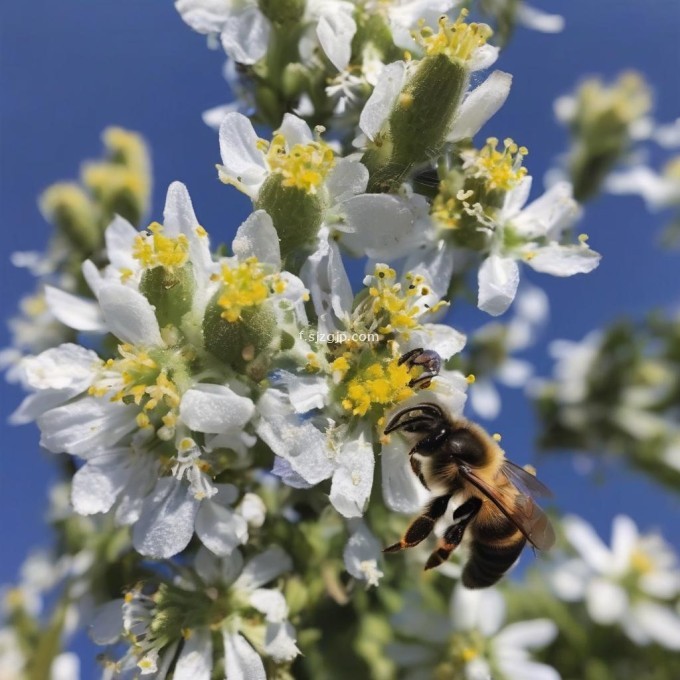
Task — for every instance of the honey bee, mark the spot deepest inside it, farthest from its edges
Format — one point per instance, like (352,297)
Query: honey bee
(494,498)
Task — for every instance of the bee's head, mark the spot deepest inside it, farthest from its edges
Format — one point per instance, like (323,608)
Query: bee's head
(422,419)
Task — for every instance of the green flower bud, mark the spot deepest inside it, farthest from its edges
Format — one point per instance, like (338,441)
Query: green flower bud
(70,209)
(170,291)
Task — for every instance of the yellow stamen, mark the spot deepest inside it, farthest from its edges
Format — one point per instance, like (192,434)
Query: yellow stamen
(157,250)
(244,286)
(457,40)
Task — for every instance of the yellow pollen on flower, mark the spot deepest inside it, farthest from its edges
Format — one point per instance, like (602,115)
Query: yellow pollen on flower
(312,362)
(378,383)
(244,285)
(304,166)
(469,654)
(640,562)
(157,250)
(143,421)
(125,274)
(583,238)
(471,379)
(340,367)
(457,40)
(500,169)
(496,437)
(529,255)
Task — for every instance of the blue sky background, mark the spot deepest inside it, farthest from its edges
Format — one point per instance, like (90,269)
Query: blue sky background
(71,68)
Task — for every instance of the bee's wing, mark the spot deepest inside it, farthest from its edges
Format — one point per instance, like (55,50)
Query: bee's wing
(525,481)
(519,508)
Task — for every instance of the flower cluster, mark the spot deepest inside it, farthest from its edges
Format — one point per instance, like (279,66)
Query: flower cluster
(223,408)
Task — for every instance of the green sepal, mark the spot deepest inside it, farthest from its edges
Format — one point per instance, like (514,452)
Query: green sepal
(296,215)
(170,292)
(227,340)
(282,11)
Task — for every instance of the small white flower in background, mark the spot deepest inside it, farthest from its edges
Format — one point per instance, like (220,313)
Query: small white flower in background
(168,622)
(531,314)
(526,15)
(633,584)
(478,646)
(362,555)
(659,190)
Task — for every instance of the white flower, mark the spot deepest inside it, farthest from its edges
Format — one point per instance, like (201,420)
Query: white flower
(362,555)
(532,234)
(378,225)
(480,647)
(528,16)
(478,106)
(632,584)
(142,617)
(245,31)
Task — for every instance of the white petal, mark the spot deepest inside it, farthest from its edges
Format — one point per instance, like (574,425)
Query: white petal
(75,312)
(295,130)
(271,603)
(298,441)
(514,372)
(607,602)
(99,482)
(107,623)
(624,539)
(435,263)
(564,260)
(245,35)
(66,666)
(517,197)
(220,529)
(166,524)
(484,399)
(362,555)
(539,20)
(480,105)
(516,669)
(306,392)
(379,226)
(588,544)
(85,426)
(204,16)
(482,610)
(348,178)
(241,660)
(263,568)
(195,661)
(213,117)
(279,642)
(446,341)
(401,489)
(528,634)
(660,623)
(353,478)
(549,215)
(256,237)
(241,158)
(380,103)
(498,280)
(129,315)
(283,469)
(483,57)
(335,31)
(120,237)
(214,409)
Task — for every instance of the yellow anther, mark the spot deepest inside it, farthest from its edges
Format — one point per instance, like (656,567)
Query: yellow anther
(304,166)
(470,378)
(500,169)
(583,238)
(157,250)
(457,40)
(496,437)
(244,286)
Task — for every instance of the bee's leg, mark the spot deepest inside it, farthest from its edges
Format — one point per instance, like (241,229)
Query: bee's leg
(422,526)
(454,533)
(417,471)
(430,362)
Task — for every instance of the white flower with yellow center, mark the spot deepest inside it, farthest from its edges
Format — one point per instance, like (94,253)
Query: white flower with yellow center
(633,584)
(659,190)
(478,646)
(254,620)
